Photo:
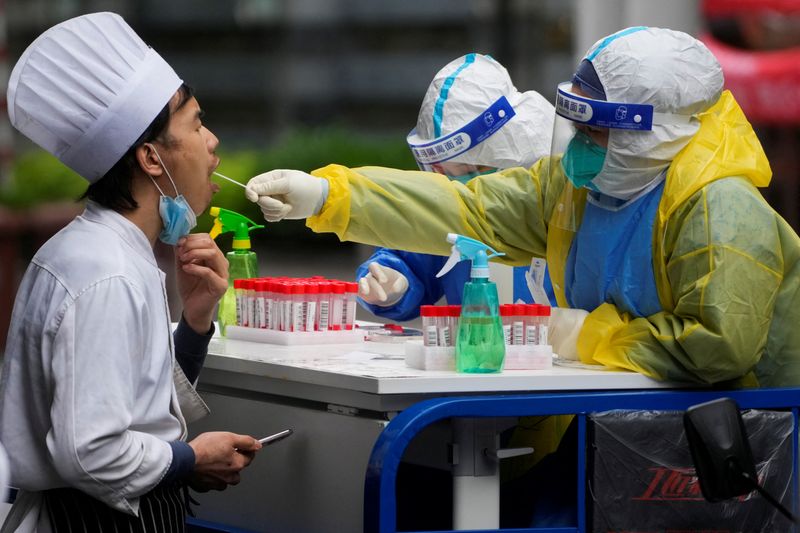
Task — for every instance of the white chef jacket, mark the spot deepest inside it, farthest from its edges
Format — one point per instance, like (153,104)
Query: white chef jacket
(87,395)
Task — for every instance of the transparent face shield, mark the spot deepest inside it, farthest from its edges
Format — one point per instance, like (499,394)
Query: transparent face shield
(461,172)
(580,138)
(445,155)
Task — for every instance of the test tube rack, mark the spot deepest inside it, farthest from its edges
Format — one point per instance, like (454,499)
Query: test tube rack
(292,338)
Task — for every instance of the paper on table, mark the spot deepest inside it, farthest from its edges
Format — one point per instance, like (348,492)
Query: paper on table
(359,364)
(360,356)
(569,363)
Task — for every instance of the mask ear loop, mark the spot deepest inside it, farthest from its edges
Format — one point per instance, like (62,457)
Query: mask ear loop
(165,170)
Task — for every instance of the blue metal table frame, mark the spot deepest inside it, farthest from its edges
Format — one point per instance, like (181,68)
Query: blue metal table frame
(380,509)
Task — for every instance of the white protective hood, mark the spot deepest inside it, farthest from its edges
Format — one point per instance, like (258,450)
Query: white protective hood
(672,71)
(464,89)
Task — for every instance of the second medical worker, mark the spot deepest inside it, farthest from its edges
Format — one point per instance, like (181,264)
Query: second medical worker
(394,283)
(650,217)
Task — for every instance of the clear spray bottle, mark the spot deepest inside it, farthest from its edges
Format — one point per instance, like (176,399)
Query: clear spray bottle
(480,346)
(242,262)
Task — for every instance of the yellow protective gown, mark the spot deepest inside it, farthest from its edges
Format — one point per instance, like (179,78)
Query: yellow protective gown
(725,263)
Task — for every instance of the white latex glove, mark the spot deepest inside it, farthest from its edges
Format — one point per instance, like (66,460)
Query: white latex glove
(382,286)
(288,194)
(565,324)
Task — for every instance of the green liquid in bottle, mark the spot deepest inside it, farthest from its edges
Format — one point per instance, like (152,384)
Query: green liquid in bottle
(242,264)
(480,345)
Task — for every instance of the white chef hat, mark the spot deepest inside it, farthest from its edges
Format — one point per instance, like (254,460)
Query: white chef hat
(86,89)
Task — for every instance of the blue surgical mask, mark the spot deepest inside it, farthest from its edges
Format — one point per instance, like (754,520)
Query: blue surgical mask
(177,215)
(583,159)
(178,218)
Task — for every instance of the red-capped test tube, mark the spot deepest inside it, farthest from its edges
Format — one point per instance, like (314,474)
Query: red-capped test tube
(284,306)
(238,291)
(544,324)
(337,304)
(324,321)
(312,302)
(430,334)
(298,291)
(350,305)
(269,305)
(260,289)
(518,325)
(507,318)
(444,325)
(531,323)
(247,303)
(272,298)
(241,304)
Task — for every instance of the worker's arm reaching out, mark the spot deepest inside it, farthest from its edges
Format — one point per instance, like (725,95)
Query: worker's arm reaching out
(414,211)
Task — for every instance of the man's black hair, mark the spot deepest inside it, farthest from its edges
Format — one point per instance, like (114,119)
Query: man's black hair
(114,190)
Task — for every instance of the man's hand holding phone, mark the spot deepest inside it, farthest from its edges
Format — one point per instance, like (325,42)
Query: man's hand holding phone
(220,456)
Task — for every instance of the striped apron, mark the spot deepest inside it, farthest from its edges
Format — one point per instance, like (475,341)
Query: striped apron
(162,510)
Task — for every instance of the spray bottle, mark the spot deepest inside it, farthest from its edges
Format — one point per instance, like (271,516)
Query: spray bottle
(480,346)
(242,262)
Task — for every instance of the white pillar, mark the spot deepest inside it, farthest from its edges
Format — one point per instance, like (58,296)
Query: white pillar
(594,19)
(683,15)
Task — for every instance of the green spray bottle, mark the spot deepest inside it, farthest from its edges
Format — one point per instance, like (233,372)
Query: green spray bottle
(480,346)
(242,261)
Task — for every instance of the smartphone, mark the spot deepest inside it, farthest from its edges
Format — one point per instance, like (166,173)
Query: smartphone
(266,441)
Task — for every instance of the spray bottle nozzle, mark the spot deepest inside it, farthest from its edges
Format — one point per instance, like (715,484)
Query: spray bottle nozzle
(226,220)
(474,250)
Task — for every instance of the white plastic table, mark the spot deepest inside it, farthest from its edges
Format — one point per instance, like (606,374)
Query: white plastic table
(337,398)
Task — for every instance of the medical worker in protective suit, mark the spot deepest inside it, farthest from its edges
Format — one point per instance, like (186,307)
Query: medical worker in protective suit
(394,283)
(650,217)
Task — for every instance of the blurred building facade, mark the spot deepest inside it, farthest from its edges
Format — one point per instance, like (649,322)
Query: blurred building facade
(262,66)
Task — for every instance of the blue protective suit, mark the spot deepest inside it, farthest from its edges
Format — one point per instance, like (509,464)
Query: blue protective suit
(424,288)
